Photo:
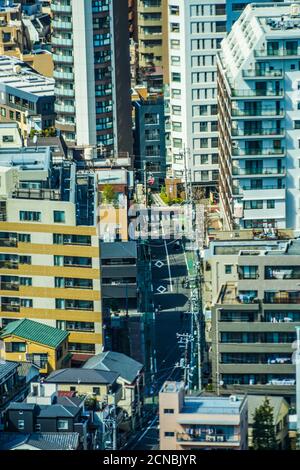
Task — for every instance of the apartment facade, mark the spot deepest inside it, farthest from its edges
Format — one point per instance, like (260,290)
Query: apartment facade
(195,32)
(149,139)
(49,248)
(255,309)
(258,98)
(150,20)
(26,97)
(200,422)
(90,44)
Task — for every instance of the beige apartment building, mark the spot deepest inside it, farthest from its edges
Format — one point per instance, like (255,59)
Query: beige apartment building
(201,422)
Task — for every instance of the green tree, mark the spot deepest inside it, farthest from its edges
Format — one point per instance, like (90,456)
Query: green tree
(109,194)
(263,435)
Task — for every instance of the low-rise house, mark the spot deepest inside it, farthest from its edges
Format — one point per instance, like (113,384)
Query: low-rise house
(98,385)
(280,416)
(131,378)
(201,422)
(43,345)
(15,378)
(39,441)
(62,414)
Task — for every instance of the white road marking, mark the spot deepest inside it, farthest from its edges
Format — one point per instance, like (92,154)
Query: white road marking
(168,261)
(159,264)
(161,289)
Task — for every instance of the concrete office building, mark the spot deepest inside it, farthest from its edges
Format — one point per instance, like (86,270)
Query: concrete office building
(49,247)
(92,73)
(255,308)
(26,97)
(258,98)
(201,422)
(195,32)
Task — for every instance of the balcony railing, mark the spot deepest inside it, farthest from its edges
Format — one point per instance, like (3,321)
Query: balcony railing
(264,152)
(209,438)
(259,112)
(257,132)
(10,308)
(9,265)
(9,286)
(239,190)
(256,93)
(258,171)
(263,73)
(277,53)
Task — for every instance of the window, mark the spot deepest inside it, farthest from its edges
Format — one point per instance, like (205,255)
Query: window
(30,216)
(168,411)
(24,259)
(169,434)
(24,238)
(7,138)
(96,390)
(62,424)
(59,217)
(27,303)
(18,347)
(176,77)
(297,124)
(21,424)
(271,204)
(228,268)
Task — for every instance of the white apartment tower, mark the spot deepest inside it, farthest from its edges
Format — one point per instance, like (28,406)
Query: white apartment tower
(196,29)
(259,120)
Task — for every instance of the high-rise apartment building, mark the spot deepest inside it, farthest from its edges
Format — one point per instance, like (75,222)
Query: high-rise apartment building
(49,246)
(92,72)
(195,32)
(149,19)
(259,102)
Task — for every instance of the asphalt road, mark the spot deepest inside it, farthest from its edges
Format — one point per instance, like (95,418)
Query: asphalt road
(171,301)
(171,298)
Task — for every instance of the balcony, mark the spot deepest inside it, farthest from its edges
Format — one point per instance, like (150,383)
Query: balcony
(61,108)
(259,152)
(257,93)
(9,242)
(63,75)
(277,53)
(10,307)
(50,194)
(68,59)
(65,25)
(256,74)
(60,8)
(258,113)
(64,92)
(9,264)
(207,438)
(269,171)
(57,41)
(266,132)
(239,190)
(9,286)
(282,297)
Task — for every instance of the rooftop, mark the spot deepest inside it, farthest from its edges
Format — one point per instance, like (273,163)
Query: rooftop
(83,376)
(6,367)
(42,441)
(17,74)
(213,405)
(126,367)
(36,332)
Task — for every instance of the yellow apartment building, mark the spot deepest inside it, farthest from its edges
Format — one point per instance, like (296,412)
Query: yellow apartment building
(49,247)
